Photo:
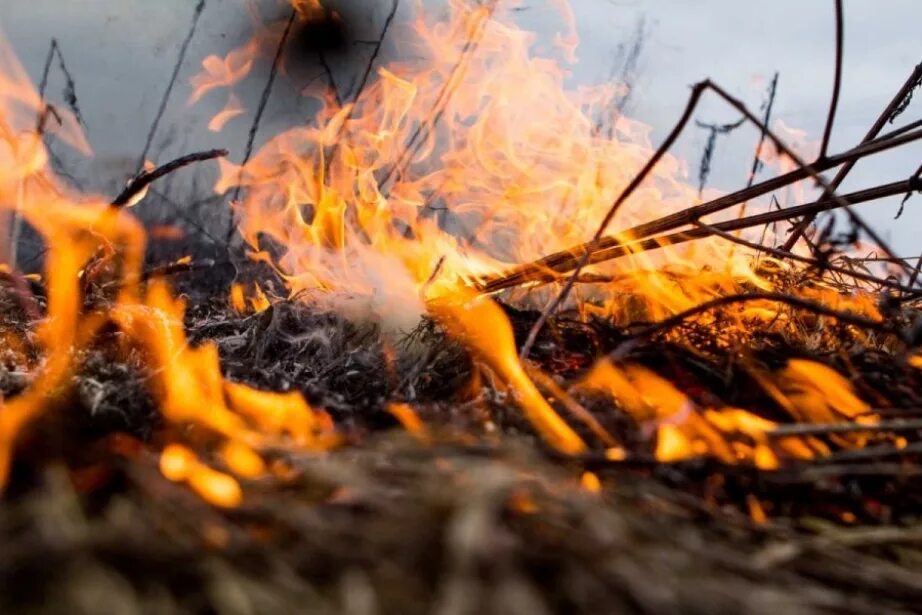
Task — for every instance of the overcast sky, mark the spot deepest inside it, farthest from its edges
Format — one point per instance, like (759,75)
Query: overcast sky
(121,53)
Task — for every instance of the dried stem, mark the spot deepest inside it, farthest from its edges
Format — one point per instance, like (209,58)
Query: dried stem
(837,80)
(142,181)
(566,260)
(183,49)
(260,109)
(881,121)
(813,262)
(694,98)
(661,241)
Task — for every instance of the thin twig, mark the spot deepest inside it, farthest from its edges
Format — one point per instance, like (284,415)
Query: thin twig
(611,246)
(715,130)
(813,262)
(837,80)
(813,429)
(142,181)
(257,119)
(697,91)
(363,83)
(908,86)
(180,60)
(455,77)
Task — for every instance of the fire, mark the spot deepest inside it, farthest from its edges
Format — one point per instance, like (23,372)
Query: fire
(473,157)
(479,155)
(81,232)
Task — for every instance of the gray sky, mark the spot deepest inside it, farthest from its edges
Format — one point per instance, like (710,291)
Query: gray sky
(121,53)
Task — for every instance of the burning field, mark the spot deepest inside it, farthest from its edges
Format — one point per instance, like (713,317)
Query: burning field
(472,344)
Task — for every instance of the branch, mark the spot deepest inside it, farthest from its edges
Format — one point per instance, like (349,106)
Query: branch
(813,262)
(184,48)
(140,183)
(837,81)
(566,260)
(901,96)
(693,99)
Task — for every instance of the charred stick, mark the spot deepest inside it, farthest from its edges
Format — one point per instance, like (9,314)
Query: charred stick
(828,189)
(808,429)
(180,60)
(693,99)
(142,181)
(260,109)
(813,262)
(885,115)
(566,260)
(704,231)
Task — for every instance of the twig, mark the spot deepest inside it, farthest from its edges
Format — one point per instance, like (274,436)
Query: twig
(837,80)
(421,132)
(566,260)
(697,91)
(767,120)
(70,88)
(366,75)
(257,119)
(769,217)
(901,96)
(377,50)
(46,111)
(183,49)
(704,166)
(813,429)
(814,262)
(142,181)
(330,79)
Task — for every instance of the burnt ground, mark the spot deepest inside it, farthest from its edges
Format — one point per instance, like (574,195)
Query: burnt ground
(482,518)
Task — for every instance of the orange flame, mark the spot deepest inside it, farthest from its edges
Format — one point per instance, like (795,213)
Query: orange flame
(186,381)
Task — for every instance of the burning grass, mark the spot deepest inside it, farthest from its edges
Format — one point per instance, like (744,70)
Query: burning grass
(416,261)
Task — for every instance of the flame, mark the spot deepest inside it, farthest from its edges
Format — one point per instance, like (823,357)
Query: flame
(472,157)
(475,155)
(83,232)
(232,109)
(682,429)
(218,72)
(485,329)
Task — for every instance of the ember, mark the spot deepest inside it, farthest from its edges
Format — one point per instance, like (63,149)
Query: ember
(467,248)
